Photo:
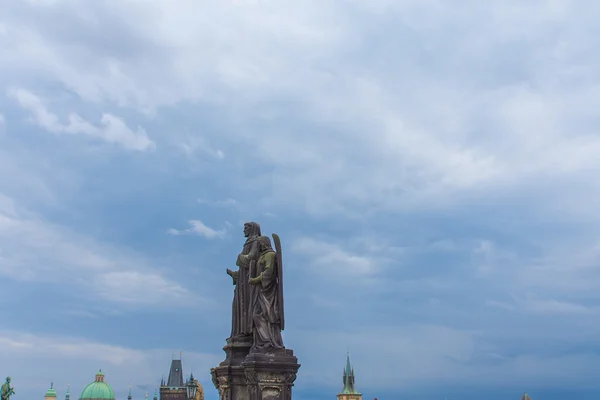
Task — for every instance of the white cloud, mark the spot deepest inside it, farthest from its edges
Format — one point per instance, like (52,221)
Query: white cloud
(193,144)
(198,228)
(331,259)
(76,360)
(434,134)
(555,307)
(228,202)
(35,250)
(112,129)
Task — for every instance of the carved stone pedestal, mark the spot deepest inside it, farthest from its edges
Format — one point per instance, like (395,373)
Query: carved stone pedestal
(229,377)
(270,376)
(261,376)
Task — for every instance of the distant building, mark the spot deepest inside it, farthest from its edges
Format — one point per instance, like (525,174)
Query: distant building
(51,393)
(174,388)
(349,392)
(98,390)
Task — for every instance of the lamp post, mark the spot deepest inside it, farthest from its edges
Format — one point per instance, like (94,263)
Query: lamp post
(191,387)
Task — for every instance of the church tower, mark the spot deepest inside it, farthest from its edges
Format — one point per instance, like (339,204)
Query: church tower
(174,388)
(349,392)
(51,393)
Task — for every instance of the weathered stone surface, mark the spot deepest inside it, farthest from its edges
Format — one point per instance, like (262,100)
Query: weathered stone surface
(260,376)
(257,365)
(271,376)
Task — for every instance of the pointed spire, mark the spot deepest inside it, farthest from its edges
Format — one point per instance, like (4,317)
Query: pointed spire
(68,394)
(156,393)
(349,377)
(129,395)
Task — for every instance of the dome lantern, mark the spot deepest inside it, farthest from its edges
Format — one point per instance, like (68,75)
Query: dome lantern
(98,390)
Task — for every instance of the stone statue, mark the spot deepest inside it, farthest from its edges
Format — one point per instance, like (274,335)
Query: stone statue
(199,391)
(7,391)
(267,314)
(241,324)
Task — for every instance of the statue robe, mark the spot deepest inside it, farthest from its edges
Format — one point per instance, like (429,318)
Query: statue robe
(266,313)
(241,317)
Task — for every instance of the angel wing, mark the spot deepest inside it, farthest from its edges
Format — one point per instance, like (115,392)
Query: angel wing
(277,243)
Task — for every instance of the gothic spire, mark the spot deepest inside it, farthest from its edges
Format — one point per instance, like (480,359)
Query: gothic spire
(349,377)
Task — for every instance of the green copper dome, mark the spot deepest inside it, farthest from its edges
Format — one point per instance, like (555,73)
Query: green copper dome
(51,392)
(98,390)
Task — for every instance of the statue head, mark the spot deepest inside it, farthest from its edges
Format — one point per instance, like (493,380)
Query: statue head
(265,243)
(251,229)
(8,379)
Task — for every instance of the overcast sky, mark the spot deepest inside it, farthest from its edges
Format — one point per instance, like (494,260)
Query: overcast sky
(431,167)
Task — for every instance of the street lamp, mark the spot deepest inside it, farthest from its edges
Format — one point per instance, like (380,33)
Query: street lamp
(191,387)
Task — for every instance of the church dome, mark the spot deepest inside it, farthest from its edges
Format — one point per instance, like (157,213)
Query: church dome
(98,390)
(51,392)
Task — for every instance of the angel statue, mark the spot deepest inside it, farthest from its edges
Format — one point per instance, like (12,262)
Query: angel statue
(267,313)
(7,391)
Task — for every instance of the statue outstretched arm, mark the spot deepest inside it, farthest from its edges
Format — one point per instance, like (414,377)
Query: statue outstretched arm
(234,275)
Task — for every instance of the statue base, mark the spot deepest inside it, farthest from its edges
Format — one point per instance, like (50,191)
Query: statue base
(229,377)
(268,375)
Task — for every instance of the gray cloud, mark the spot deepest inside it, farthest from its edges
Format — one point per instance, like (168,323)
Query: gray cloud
(455,146)
(35,250)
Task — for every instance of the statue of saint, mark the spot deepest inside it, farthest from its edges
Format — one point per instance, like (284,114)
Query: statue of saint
(7,391)
(241,324)
(267,314)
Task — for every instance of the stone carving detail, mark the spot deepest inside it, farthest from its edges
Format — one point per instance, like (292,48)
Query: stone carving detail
(270,392)
(252,377)
(213,374)
(289,378)
(199,391)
